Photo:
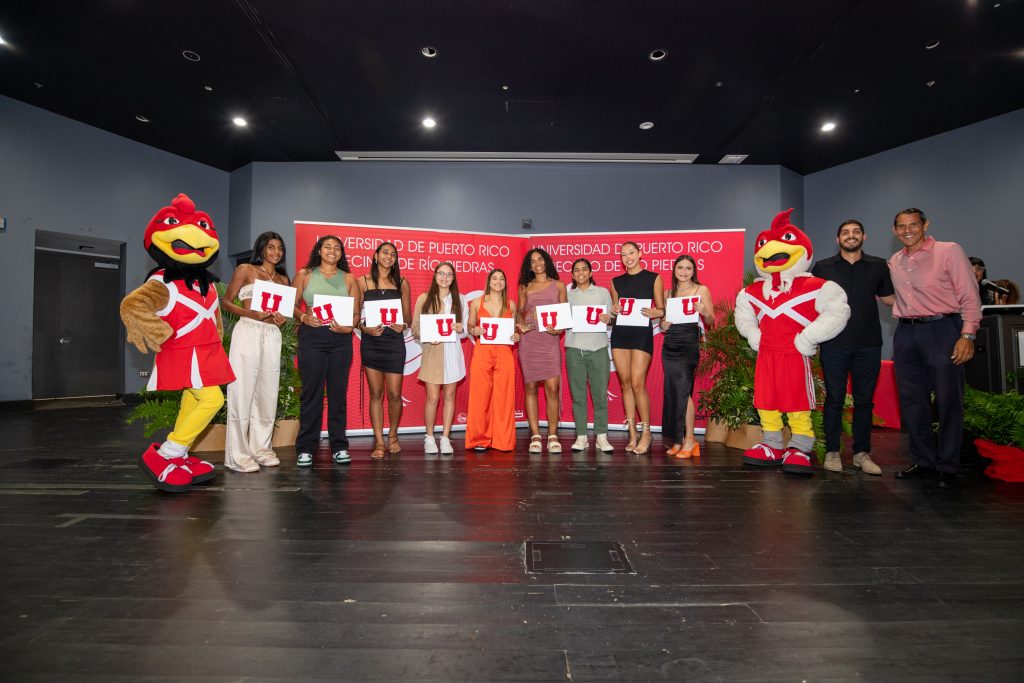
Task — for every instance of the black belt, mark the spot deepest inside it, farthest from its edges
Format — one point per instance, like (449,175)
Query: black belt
(927,318)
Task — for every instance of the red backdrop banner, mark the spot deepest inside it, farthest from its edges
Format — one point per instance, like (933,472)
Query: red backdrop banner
(719,255)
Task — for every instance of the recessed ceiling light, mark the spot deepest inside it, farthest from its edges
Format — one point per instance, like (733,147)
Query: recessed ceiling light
(141,119)
(930,83)
(240,122)
(208,88)
(932,45)
(719,84)
(429,52)
(2,41)
(646,125)
(429,122)
(191,56)
(504,87)
(38,84)
(657,55)
(828,127)
(856,90)
(733,159)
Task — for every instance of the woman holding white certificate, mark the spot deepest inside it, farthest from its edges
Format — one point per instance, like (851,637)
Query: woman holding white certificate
(586,356)
(491,422)
(325,350)
(539,354)
(382,345)
(442,364)
(680,353)
(255,357)
(632,341)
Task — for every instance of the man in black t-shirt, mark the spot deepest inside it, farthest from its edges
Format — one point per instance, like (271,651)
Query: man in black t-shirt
(857,352)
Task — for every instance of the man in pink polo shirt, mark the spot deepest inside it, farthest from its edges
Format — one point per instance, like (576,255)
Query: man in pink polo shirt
(938,309)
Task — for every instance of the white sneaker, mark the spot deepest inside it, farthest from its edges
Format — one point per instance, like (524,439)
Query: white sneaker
(304,460)
(866,464)
(446,446)
(603,445)
(342,457)
(833,463)
(429,445)
(580,444)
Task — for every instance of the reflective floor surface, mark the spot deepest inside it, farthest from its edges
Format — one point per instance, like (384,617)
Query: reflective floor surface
(413,568)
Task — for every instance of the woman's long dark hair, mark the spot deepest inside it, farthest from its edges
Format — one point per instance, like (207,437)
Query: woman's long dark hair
(504,292)
(395,276)
(526,273)
(675,281)
(261,246)
(589,267)
(314,255)
(433,301)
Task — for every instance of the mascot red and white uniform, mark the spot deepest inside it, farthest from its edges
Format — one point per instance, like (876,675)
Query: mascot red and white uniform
(784,315)
(176,313)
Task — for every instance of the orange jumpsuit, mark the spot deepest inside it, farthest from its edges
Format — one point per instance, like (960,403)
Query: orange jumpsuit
(491,421)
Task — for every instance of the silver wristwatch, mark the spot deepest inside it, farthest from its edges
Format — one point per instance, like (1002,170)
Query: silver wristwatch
(968,336)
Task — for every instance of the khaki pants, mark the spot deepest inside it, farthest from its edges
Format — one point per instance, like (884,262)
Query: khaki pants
(255,357)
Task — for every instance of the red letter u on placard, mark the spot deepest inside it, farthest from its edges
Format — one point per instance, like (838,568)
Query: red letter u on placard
(269,307)
(444,327)
(325,313)
(549,319)
(626,306)
(388,316)
(593,315)
(490,331)
(689,306)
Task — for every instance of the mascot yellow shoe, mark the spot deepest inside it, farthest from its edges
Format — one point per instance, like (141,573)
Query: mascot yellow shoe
(176,313)
(784,315)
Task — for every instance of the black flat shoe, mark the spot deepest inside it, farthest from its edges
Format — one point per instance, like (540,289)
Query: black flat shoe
(947,480)
(915,472)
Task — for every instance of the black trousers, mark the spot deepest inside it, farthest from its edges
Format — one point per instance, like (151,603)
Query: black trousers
(921,357)
(324,357)
(861,366)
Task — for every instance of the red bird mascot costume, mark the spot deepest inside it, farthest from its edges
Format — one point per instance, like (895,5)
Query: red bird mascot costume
(784,315)
(176,312)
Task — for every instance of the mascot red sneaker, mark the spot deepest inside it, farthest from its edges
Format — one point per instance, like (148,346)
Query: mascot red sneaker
(176,313)
(784,315)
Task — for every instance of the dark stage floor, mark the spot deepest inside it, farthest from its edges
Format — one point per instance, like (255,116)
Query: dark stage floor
(414,569)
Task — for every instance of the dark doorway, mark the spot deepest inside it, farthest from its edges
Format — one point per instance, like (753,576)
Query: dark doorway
(76,326)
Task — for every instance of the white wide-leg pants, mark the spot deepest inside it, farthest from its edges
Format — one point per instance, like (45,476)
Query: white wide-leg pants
(255,357)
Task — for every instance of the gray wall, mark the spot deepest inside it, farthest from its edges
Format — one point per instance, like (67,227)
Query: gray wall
(970,183)
(67,177)
(497,196)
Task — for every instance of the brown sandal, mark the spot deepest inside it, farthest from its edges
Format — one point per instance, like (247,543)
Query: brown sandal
(378,451)
(393,445)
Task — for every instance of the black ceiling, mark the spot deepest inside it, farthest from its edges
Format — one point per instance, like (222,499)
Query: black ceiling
(756,77)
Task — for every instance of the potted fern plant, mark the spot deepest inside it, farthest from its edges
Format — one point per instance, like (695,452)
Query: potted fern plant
(997,423)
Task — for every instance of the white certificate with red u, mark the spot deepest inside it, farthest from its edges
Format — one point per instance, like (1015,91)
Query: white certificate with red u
(629,312)
(438,328)
(588,318)
(270,297)
(682,309)
(386,312)
(328,307)
(558,316)
(497,331)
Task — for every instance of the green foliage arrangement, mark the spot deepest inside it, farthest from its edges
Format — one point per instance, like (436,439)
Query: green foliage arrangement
(159,409)
(729,362)
(998,418)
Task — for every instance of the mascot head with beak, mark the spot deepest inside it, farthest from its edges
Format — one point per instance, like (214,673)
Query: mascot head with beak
(783,252)
(183,242)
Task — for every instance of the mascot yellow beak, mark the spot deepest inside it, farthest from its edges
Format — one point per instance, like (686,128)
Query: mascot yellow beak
(186,243)
(776,256)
